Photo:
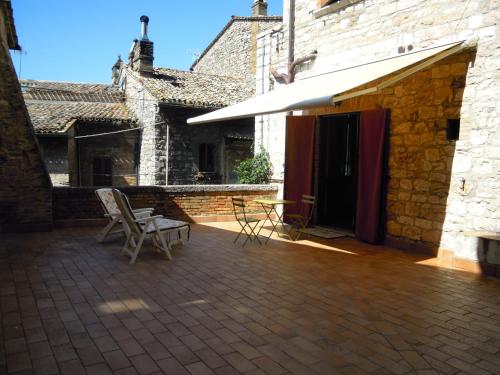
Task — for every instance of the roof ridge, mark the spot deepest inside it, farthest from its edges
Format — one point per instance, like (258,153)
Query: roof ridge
(200,73)
(62,82)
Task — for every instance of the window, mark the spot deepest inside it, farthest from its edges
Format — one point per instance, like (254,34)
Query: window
(103,172)
(453,129)
(323,3)
(329,6)
(206,153)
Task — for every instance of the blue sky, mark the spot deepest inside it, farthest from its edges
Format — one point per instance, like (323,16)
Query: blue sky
(79,40)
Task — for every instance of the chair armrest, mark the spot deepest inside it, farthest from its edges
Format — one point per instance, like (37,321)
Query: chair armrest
(147,219)
(139,210)
(112,215)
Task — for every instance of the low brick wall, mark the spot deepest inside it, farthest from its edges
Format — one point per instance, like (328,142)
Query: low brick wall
(196,203)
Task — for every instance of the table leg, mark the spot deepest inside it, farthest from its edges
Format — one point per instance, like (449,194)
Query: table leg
(278,221)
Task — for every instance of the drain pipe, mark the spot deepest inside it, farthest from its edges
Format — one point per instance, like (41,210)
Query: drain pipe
(291,33)
(291,57)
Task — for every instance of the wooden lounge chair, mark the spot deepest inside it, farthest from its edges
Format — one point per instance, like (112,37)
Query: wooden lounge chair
(164,232)
(111,211)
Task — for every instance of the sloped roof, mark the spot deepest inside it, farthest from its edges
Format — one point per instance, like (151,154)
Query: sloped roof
(195,90)
(53,106)
(71,91)
(228,25)
(56,117)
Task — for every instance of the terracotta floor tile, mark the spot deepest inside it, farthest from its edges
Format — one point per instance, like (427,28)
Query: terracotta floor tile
(116,360)
(73,367)
(310,307)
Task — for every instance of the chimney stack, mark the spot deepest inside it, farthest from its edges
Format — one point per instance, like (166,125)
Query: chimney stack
(115,71)
(259,8)
(144,27)
(141,55)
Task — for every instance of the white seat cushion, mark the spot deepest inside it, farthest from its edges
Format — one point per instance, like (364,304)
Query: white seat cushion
(167,224)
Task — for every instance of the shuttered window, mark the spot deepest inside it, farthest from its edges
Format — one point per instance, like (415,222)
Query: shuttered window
(322,3)
(103,172)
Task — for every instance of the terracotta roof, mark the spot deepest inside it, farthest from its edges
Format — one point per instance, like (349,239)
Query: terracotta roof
(53,106)
(190,89)
(71,91)
(231,21)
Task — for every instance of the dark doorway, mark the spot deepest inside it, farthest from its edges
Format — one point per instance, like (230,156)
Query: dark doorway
(103,171)
(337,170)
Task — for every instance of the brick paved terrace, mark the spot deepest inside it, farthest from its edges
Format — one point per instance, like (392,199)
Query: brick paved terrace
(70,305)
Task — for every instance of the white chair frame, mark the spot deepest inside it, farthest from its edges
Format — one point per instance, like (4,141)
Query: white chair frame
(141,228)
(111,211)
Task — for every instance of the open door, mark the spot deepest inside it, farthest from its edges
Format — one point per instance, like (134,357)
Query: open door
(351,170)
(372,167)
(299,153)
(337,171)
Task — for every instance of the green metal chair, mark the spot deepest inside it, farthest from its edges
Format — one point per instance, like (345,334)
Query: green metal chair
(248,224)
(301,221)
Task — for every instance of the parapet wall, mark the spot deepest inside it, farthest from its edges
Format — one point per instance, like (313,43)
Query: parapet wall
(193,203)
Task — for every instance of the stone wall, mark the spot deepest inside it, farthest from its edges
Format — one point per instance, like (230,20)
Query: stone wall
(426,203)
(175,162)
(54,151)
(153,136)
(233,53)
(190,203)
(184,141)
(25,187)
(420,156)
(120,148)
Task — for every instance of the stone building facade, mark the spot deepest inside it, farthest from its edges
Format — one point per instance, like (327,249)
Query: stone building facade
(439,189)
(25,187)
(169,151)
(172,152)
(71,121)
(233,52)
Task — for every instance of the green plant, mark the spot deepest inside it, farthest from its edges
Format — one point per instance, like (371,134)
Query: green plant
(256,170)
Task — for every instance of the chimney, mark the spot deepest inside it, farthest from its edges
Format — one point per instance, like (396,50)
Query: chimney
(144,27)
(115,71)
(141,55)
(259,8)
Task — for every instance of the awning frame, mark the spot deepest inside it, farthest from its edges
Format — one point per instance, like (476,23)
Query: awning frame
(336,86)
(407,72)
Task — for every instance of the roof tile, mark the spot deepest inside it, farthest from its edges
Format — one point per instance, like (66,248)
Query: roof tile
(53,105)
(186,88)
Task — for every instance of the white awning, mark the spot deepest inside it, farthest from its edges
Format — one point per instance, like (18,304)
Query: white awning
(326,89)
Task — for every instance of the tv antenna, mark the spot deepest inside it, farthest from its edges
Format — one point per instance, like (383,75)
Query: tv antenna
(194,53)
(21,52)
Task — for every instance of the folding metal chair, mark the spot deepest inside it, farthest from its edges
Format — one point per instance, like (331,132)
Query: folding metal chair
(301,221)
(248,224)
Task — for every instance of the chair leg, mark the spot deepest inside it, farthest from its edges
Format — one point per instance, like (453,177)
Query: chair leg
(125,247)
(246,239)
(105,231)
(252,231)
(137,248)
(241,231)
(165,245)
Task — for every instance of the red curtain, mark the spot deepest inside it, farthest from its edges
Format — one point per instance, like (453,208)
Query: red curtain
(371,175)
(299,154)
